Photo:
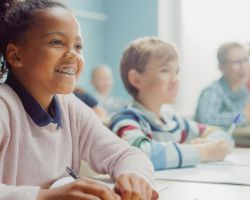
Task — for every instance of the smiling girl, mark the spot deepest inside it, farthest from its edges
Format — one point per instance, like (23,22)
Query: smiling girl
(44,128)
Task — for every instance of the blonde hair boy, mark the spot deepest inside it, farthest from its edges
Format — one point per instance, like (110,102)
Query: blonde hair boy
(149,69)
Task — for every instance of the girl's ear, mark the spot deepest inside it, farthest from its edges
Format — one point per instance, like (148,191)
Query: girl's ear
(13,56)
(134,77)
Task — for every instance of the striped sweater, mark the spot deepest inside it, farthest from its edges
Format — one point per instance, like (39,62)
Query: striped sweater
(165,143)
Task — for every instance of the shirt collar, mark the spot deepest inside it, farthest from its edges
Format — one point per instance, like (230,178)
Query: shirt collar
(32,107)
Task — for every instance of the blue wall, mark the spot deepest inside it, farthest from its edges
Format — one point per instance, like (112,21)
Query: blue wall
(104,41)
(93,37)
(127,20)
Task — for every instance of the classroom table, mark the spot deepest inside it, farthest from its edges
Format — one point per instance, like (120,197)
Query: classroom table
(203,191)
(178,190)
(188,190)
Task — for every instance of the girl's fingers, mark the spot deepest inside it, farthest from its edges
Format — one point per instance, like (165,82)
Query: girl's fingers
(123,187)
(155,195)
(87,197)
(146,190)
(94,188)
(136,187)
(132,187)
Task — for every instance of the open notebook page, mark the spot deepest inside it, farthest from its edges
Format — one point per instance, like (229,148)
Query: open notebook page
(234,170)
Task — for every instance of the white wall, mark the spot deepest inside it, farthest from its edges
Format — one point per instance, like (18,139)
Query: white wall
(204,25)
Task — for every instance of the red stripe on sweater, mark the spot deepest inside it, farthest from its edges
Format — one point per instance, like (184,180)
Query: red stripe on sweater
(121,131)
(149,135)
(183,136)
(201,128)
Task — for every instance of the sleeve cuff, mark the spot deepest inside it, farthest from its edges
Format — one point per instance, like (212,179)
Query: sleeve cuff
(190,155)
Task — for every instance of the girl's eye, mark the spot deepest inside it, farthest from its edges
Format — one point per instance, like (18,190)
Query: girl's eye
(165,70)
(78,46)
(56,42)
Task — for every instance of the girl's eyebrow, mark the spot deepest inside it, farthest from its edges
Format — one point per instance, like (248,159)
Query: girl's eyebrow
(60,33)
(54,33)
(164,66)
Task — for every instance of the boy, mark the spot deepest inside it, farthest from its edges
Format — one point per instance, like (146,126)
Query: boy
(149,69)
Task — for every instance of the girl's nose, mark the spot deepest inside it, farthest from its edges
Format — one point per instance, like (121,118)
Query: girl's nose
(71,54)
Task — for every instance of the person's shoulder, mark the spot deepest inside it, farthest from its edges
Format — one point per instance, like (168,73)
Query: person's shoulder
(128,110)
(127,114)
(126,117)
(5,91)
(71,103)
(7,95)
(8,101)
(215,88)
(87,99)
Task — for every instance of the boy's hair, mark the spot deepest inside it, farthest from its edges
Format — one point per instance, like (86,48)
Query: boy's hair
(225,48)
(139,52)
(16,17)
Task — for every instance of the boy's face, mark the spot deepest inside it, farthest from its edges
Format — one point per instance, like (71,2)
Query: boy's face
(51,53)
(103,81)
(236,66)
(160,82)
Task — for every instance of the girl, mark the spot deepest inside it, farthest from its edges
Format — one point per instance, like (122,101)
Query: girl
(43,128)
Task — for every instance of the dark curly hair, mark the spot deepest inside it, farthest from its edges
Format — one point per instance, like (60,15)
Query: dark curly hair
(16,17)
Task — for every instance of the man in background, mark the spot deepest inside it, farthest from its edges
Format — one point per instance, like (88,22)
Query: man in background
(220,102)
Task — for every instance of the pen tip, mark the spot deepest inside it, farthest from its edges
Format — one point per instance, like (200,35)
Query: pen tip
(237,118)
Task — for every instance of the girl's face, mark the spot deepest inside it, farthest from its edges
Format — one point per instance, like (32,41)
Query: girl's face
(160,81)
(50,54)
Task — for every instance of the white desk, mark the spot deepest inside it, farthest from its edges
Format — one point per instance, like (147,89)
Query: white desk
(204,191)
(179,190)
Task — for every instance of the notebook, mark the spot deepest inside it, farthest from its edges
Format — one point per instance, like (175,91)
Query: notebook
(234,170)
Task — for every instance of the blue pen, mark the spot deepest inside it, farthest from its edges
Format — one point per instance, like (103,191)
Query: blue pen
(234,124)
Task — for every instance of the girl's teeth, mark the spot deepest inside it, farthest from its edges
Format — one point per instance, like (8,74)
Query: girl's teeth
(70,71)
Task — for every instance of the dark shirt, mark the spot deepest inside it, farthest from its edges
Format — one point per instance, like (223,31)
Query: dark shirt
(87,99)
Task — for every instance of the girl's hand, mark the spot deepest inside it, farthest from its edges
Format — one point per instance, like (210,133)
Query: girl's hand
(81,189)
(132,187)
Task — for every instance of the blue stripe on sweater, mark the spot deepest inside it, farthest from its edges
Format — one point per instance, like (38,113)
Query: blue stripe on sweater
(177,125)
(180,155)
(158,155)
(187,127)
(121,117)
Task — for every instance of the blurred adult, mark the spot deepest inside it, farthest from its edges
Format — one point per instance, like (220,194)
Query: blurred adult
(220,102)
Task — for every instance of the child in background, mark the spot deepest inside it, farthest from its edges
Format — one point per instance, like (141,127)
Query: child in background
(149,70)
(102,80)
(43,128)
(90,101)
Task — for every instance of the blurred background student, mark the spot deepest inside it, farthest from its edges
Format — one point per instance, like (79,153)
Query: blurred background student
(91,102)
(102,80)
